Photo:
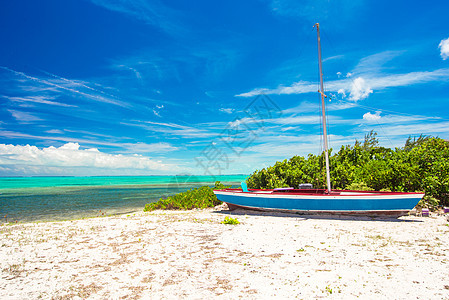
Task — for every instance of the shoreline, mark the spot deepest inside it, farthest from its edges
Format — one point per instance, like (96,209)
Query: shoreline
(191,254)
(87,217)
(56,203)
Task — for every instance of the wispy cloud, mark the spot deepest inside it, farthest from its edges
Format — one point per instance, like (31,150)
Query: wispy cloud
(370,76)
(282,146)
(374,64)
(295,120)
(227,110)
(208,61)
(161,147)
(428,128)
(39,99)
(313,10)
(378,118)
(335,57)
(314,107)
(23,117)
(300,87)
(370,82)
(20,135)
(172,129)
(151,12)
(56,131)
(64,85)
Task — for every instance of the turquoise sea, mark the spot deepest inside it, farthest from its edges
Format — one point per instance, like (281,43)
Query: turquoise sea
(29,199)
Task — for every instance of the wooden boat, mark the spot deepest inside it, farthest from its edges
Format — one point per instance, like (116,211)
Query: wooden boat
(326,201)
(320,201)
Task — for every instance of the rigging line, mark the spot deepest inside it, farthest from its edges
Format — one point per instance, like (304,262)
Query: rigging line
(384,133)
(399,113)
(333,49)
(327,114)
(308,37)
(335,52)
(330,42)
(353,105)
(350,78)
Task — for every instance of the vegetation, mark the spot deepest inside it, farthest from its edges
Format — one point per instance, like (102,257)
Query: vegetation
(202,197)
(230,221)
(421,165)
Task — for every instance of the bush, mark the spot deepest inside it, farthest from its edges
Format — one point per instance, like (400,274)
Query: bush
(202,197)
(230,221)
(359,187)
(421,165)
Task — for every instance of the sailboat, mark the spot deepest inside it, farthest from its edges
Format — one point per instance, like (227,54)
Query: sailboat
(308,200)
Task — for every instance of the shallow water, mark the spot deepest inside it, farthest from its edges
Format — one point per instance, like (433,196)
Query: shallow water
(28,199)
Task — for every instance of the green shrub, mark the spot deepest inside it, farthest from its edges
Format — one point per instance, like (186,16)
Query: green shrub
(230,221)
(359,187)
(421,165)
(202,197)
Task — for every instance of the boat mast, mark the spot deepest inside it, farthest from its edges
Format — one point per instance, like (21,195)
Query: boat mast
(323,110)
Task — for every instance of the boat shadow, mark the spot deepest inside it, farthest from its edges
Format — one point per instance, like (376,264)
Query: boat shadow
(245,212)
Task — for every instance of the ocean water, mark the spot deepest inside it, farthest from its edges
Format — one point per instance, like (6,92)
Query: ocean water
(29,199)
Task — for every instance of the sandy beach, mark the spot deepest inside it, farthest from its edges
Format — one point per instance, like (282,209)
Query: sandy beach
(172,254)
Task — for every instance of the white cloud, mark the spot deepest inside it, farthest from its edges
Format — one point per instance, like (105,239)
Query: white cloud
(71,156)
(137,148)
(299,87)
(151,12)
(333,57)
(157,110)
(368,70)
(64,86)
(373,64)
(156,113)
(444,48)
(227,110)
(295,120)
(56,131)
(313,10)
(39,99)
(149,148)
(360,89)
(399,119)
(23,117)
(172,129)
(372,117)
(430,128)
(288,128)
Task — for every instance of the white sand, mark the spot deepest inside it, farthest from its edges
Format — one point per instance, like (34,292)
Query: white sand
(192,255)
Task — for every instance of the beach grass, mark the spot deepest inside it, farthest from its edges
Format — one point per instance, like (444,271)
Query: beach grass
(200,198)
(230,221)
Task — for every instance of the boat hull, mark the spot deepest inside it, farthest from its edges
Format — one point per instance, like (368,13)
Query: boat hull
(342,202)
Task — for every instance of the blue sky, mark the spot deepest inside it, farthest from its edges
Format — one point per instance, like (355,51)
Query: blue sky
(148,87)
